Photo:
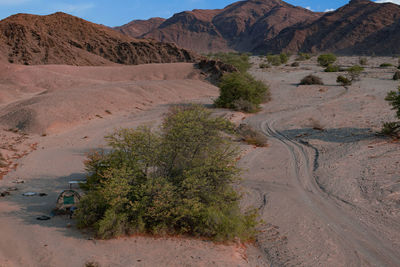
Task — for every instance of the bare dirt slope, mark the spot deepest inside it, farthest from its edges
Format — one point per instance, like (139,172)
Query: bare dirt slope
(331,197)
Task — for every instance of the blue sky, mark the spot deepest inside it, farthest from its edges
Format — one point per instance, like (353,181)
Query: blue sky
(118,12)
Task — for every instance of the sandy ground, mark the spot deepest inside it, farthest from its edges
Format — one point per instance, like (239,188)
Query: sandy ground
(331,197)
(328,198)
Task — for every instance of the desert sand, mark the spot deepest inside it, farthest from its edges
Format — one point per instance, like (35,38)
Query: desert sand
(328,198)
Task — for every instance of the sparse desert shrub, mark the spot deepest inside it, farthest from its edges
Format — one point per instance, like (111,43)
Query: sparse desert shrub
(344,81)
(391,129)
(303,57)
(385,65)
(311,80)
(354,72)
(177,181)
(252,136)
(332,68)
(295,64)
(240,61)
(284,58)
(363,61)
(326,59)
(396,76)
(92,264)
(274,60)
(243,87)
(393,98)
(264,66)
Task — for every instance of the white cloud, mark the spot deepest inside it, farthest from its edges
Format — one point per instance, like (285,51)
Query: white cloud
(309,8)
(329,10)
(389,1)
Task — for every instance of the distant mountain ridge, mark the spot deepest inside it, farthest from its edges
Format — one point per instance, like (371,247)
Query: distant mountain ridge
(241,26)
(263,26)
(64,39)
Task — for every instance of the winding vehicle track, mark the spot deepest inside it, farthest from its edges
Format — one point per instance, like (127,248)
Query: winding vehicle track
(360,244)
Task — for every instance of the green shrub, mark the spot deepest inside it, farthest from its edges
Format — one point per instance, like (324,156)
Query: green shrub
(240,61)
(363,61)
(274,60)
(326,59)
(295,64)
(264,66)
(391,129)
(385,65)
(303,57)
(178,181)
(284,58)
(311,80)
(344,81)
(332,68)
(393,98)
(241,86)
(396,76)
(354,72)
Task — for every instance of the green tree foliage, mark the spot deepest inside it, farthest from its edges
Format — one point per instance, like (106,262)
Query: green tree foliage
(354,72)
(326,59)
(386,65)
(393,98)
(236,87)
(178,181)
(240,61)
(303,57)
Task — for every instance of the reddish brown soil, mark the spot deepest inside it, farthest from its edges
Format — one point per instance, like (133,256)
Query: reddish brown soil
(63,39)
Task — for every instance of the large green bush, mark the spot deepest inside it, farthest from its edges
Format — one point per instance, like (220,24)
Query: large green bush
(326,59)
(178,181)
(241,86)
(240,61)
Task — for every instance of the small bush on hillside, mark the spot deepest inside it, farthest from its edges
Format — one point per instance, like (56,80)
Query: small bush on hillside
(363,61)
(326,59)
(344,81)
(252,136)
(385,65)
(264,66)
(178,181)
(243,87)
(295,64)
(396,75)
(274,60)
(332,68)
(240,61)
(303,57)
(311,80)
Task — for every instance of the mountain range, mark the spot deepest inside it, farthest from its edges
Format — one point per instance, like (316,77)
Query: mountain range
(272,26)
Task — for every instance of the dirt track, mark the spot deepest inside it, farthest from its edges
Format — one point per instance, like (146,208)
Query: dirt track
(311,221)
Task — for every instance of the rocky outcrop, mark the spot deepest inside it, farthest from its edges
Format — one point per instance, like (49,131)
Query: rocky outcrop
(64,39)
